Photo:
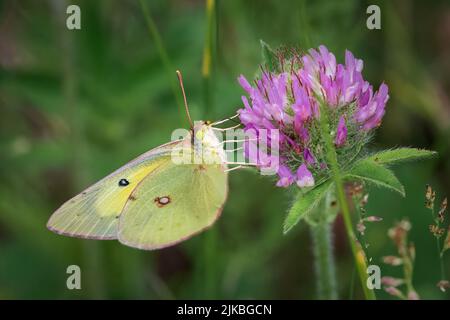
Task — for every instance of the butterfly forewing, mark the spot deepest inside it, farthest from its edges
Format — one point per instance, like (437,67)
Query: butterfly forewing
(94,213)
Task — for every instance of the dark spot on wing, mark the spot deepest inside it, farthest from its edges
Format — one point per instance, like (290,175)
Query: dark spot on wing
(333,203)
(123,182)
(162,201)
(131,197)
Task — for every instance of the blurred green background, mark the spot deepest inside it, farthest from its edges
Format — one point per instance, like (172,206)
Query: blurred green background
(76,105)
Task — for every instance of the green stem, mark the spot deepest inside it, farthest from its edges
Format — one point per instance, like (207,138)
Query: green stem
(441,259)
(324,261)
(209,56)
(304,25)
(352,284)
(438,245)
(357,251)
(91,254)
(210,264)
(210,243)
(170,70)
(408,268)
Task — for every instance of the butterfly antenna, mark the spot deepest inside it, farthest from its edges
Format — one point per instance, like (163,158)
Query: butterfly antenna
(180,79)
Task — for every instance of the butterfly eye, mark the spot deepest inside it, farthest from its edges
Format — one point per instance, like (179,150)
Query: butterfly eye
(123,182)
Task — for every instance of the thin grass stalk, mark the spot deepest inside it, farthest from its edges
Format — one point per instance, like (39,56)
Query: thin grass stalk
(209,55)
(90,253)
(304,25)
(210,249)
(162,52)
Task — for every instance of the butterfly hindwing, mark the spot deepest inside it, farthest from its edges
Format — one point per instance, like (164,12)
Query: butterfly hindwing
(173,203)
(94,213)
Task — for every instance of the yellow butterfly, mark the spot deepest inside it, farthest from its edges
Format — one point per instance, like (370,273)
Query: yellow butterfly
(153,201)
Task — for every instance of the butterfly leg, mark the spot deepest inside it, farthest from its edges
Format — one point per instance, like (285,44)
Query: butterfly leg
(234,150)
(234,168)
(241,163)
(229,141)
(225,129)
(224,120)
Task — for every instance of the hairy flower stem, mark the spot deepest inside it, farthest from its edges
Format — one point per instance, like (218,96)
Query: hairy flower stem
(358,253)
(324,260)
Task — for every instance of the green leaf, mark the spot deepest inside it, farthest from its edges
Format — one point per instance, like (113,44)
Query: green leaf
(372,172)
(269,57)
(305,203)
(400,154)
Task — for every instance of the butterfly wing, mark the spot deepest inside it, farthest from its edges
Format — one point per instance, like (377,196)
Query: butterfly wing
(94,213)
(173,203)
